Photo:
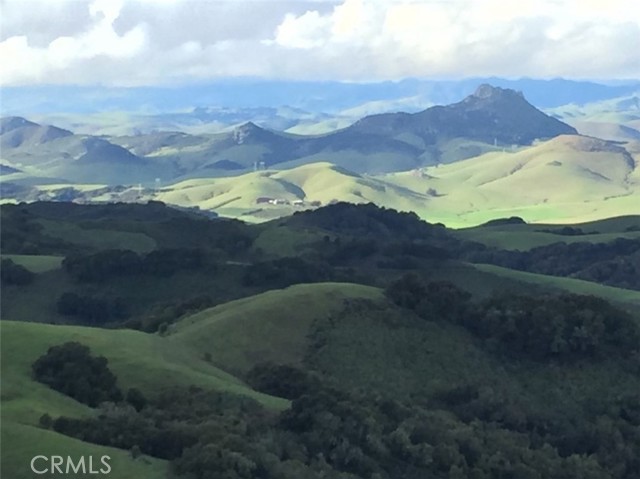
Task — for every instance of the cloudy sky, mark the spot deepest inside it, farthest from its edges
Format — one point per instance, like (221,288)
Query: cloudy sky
(161,42)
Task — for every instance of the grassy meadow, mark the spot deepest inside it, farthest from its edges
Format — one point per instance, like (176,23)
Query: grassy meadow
(147,362)
(526,236)
(271,326)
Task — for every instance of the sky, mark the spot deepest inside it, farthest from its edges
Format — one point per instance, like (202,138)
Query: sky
(177,42)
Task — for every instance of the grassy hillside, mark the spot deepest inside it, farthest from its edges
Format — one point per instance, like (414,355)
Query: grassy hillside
(576,179)
(272,326)
(147,362)
(625,297)
(322,182)
(401,355)
(611,119)
(36,263)
(527,236)
(26,441)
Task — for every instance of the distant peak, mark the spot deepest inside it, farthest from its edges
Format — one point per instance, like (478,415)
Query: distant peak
(247,131)
(249,126)
(486,91)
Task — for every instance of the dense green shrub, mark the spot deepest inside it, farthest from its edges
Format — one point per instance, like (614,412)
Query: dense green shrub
(165,262)
(71,369)
(430,300)
(537,327)
(616,263)
(283,272)
(168,313)
(564,326)
(281,380)
(102,265)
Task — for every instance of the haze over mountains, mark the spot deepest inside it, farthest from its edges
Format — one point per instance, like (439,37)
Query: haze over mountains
(491,116)
(297,107)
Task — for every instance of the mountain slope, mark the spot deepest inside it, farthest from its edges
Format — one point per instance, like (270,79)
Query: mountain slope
(490,115)
(16,132)
(570,178)
(47,151)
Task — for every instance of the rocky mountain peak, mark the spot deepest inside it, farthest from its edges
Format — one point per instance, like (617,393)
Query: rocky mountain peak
(490,92)
(248,127)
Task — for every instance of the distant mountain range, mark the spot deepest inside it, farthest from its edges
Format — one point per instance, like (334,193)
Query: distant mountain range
(490,119)
(44,153)
(314,97)
(296,107)
(615,119)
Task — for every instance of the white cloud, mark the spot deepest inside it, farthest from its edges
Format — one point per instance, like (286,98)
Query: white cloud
(23,62)
(463,38)
(161,41)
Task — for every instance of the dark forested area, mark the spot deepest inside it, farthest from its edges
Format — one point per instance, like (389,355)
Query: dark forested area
(332,432)
(437,371)
(616,263)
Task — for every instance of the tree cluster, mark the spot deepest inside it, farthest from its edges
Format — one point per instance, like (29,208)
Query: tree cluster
(281,380)
(563,327)
(283,272)
(107,264)
(434,300)
(95,310)
(544,327)
(616,263)
(162,315)
(72,370)
(22,234)
(327,433)
(15,274)
(365,220)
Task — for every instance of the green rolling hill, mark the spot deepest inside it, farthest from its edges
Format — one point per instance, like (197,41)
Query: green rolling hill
(575,179)
(272,326)
(139,360)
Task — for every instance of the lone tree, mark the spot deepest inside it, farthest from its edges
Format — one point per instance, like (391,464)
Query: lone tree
(71,369)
